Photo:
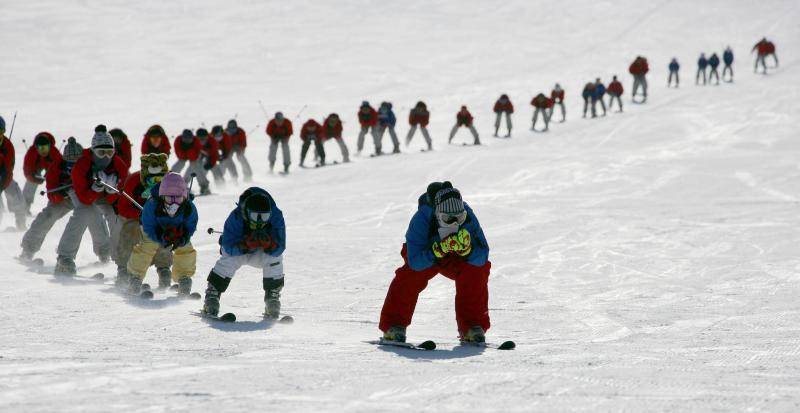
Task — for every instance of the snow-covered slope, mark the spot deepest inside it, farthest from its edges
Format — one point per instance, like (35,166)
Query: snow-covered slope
(644,261)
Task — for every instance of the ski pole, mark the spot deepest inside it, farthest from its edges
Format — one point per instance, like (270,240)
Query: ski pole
(13,122)
(191,182)
(60,188)
(253,130)
(133,201)
(300,112)
(213,231)
(263,109)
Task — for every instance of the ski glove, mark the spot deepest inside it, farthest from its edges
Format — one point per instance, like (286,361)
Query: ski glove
(111,181)
(459,243)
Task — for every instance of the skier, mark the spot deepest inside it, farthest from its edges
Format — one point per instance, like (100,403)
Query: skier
(238,145)
(311,132)
(444,237)
(764,48)
(38,159)
(140,186)
(225,145)
(419,117)
(674,67)
(727,58)
(542,104)
(368,118)
(464,118)
(209,156)
(615,92)
(702,63)
(254,235)
(597,96)
(386,120)
(9,187)
(155,141)
(713,63)
(279,130)
(639,69)
(58,184)
(557,96)
(95,177)
(168,222)
(503,106)
(332,129)
(188,149)
(122,145)
(588,92)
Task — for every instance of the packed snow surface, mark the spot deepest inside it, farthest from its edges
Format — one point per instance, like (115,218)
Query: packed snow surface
(643,261)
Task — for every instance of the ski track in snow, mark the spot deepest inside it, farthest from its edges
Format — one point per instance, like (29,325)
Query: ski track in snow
(645,261)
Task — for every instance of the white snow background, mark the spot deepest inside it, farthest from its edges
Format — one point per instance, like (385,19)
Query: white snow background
(647,261)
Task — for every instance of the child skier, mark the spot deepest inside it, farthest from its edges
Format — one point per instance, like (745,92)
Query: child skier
(9,187)
(254,235)
(615,91)
(209,156)
(543,104)
(503,106)
(557,97)
(419,116)
(386,121)
(311,133)
(168,223)
(155,141)
(639,69)
(444,237)
(238,145)
(464,118)
(368,119)
(279,131)
(674,67)
(38,159)
(225,158)
(332,129)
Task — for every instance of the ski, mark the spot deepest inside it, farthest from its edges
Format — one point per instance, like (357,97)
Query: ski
(225,318)
(424,346)
(506,345)
(287,319)
(97,277)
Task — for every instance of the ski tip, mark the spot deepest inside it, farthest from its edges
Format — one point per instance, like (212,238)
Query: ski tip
(228,317)
(287,319)
(507,345)
(98,276)
(427,345)
(146,295)
(146,287)
(195,296)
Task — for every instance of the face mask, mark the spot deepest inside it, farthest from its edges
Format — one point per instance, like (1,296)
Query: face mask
(172,209)
(100,163)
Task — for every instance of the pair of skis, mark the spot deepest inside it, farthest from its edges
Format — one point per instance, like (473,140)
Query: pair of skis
(231,317)
(429,345)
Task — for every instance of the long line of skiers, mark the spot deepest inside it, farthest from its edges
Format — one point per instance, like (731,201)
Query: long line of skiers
(147,218)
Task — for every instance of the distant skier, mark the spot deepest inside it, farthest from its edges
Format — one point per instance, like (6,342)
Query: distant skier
(763,49)
(503,106)
(9,187)
(702,64)
(464,118)
(615,91)
(597,96)
(254,235)
(209,155)
(713,64)
(674,67)
(542,104)
(727,58)
(238,140)
(588,92)
(386,121)
(187,150)
(58,184)
(279,130)
(332,129)
(444,237)
(169,219)
(140,186)
(639,69)
(368,118)
(38,159)
(95,178)
(155,141)
(225,159)
(557,96)
(122,145)
(311,132)
(419,117)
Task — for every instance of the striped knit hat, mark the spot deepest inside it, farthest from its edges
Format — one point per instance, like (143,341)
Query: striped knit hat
(448,201)
(73,150)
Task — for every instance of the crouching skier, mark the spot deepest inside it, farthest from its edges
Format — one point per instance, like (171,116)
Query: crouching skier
(254,235)
(140,186)
(168,223)
(444,237)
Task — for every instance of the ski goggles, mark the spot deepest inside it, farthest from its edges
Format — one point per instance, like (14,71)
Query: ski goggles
(103,152)
(450,219)
(173,199)
(259,217)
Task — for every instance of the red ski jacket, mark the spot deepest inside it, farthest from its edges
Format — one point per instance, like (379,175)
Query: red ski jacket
(557,96)
(164,147)
(124,152)
(369,118)
(6,162)
(238,139)
(83,178)
(225,146)
(508,107)
(615,88)
(310,130)
(419,117)
(283,131)
(56,177)
(464,118)
(211,151)
(542,102)
(331,131)
(639,67)
(33,164)
(133,187)
(187,152)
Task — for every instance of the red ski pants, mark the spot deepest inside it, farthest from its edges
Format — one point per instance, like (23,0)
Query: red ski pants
(472,292)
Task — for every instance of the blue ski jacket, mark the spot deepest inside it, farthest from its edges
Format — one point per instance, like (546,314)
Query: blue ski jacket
(713,61)
(727,57)
(674,66)
(236,228)
(386,117)
(156,223)
(423,232)
(599,91)
(702,63)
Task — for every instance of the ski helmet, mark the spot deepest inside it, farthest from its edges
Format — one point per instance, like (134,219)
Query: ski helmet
(257,210)
(233,127)
(187,135)
(216,130)
(202,133)
(73,150)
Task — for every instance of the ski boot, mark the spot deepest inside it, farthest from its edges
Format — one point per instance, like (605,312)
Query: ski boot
(474,335)
(25,257)
(65,267)
(204,190)
(184,286)
(134,285)
(123,278)
(272,298)
(286,168)
(272,167)
(164,278)
(395,333)
(211,303)
(396,149)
